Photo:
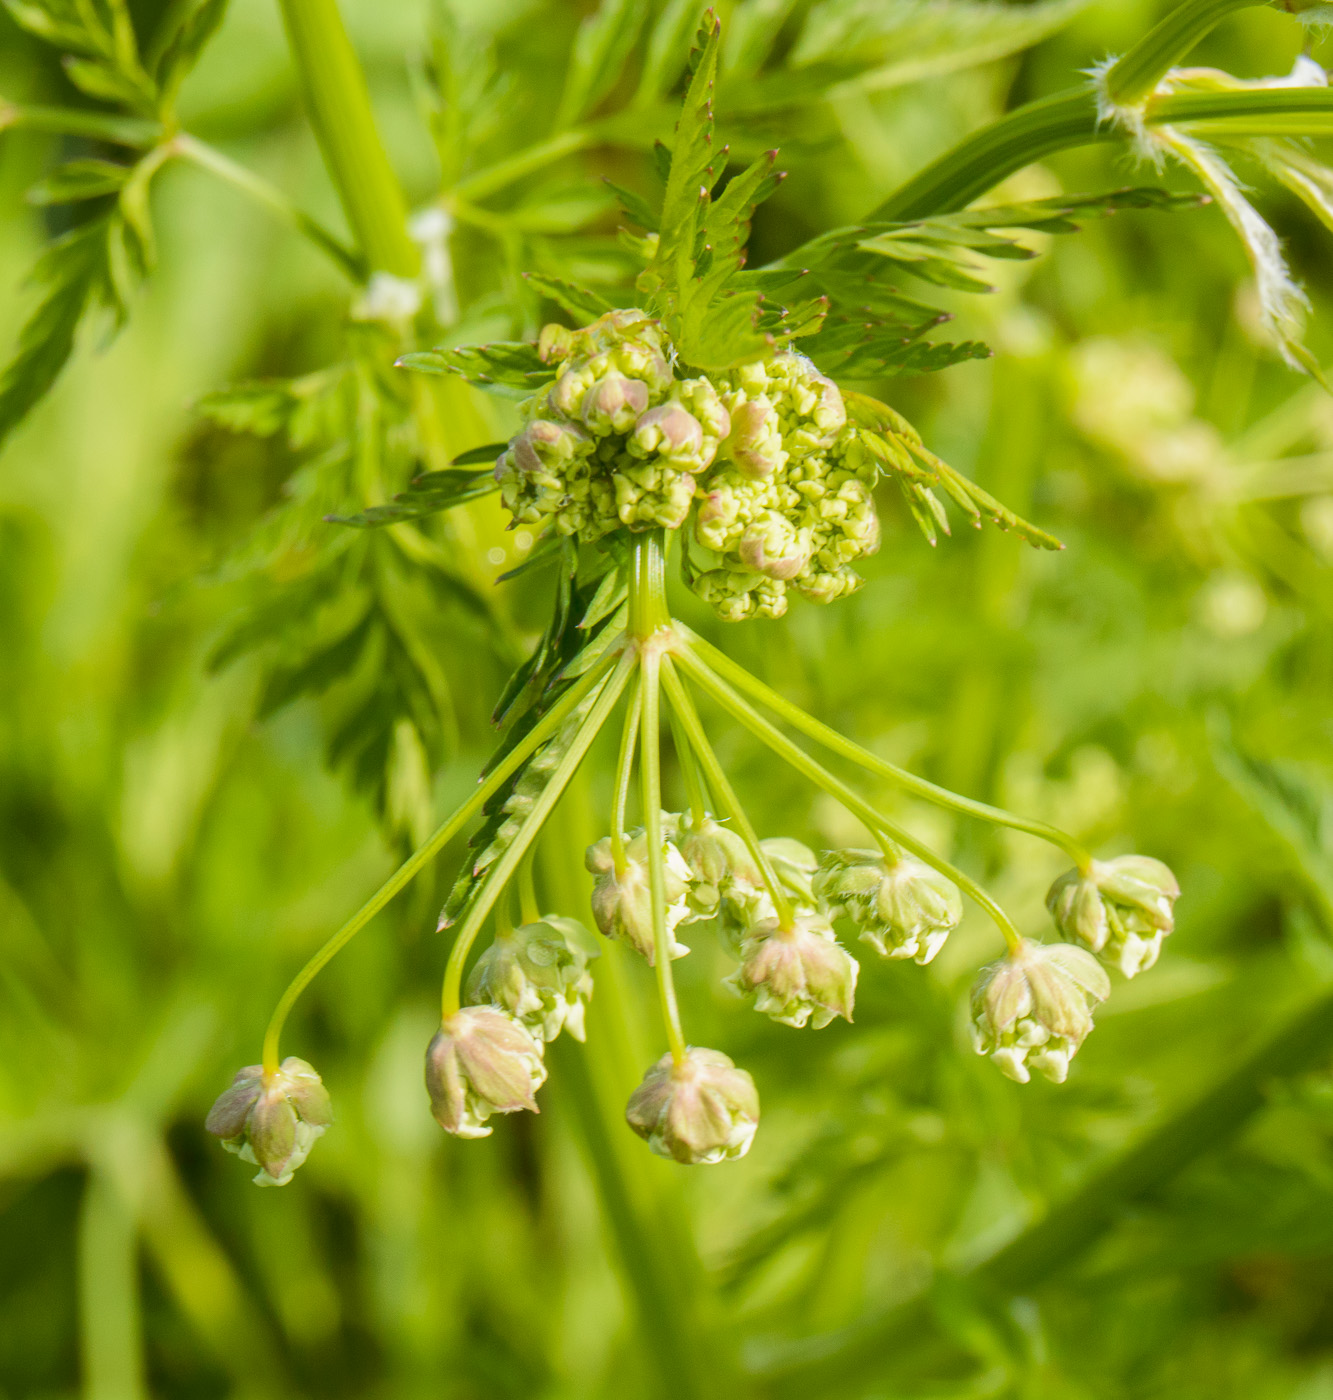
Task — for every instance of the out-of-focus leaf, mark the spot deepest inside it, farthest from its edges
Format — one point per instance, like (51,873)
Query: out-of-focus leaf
(581,303)
(79,179)
(507,367)
(429,494)
(604,41)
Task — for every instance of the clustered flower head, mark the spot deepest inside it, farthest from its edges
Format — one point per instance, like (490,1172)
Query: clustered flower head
(1121,909)
(272,1120)
(757,465)
(482,1061)
(702,1109)
(539,974)
(904,908)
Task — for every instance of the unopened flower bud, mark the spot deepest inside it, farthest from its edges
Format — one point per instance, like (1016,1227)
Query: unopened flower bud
(555,343)
(481,1061)
(701,1110)
(755,443)
(272,1121)
(718,859)
(672,432)
(905,908)
(545,444)
(775,547)
(622,901)
(797,974)
(1121,909)
(1034,1009)
(539,974)
(613,404)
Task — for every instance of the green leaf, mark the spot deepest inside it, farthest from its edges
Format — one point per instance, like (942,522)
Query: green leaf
(635,208)
(667,51)
(430,493)
(78,121)
(64,32)
(604,41)
(188,42)
(581,303)
(486,453)
(509,367)
(112,84)
(79,179)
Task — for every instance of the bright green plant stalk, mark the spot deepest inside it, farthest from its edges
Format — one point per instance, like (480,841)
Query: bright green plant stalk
(801,761)
(338,101)
(503,869)
(696,738)
(403,876)
(689,770)
(1136,74)
(624,772)
(738,676)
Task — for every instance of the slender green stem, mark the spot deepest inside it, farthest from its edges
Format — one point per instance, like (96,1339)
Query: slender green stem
(504,913)
(821,733)
(503,869)
(518,755)
(697,739)
(67,121)
(796,756)
(689,771)
(651,776)
(206,158)
(1135,75)
(523,163)
(338,101)
(529,909)
(629,737)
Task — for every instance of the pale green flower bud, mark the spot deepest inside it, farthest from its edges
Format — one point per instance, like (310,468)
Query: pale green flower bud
(796,974)
(613,404)
(481,1061)
(905,908)
(736,594)
(795,865)
(702,1110)
(539,974)
(719,860)
(555,343)
(672,432)
(773,546)
(809,403)
(828,587)
(622,902)
(1034,1009)
(755,443)
(272,1122)
(1121,909)
(705,403)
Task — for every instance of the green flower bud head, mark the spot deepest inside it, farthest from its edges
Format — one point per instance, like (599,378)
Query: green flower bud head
(613,404)
(905,909)
(481,1061)
(622,902)
(795,865)
(1034,1009)
(539,975)
(1121,909)
(775,547)
(272,1122)
(719,861)
(799,974)
(702,1110)
(755,442)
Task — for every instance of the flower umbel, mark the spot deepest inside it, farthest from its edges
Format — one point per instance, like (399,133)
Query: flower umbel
(539,974)
(1121,909)
(481,1061)
(904,908)
(272,1120)
(799,974)
(1034,1009)
(622,902)
(701,1110)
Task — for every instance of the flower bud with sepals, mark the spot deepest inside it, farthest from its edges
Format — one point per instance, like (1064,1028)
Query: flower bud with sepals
(798,973)
(272,1120)
(481,1061)
(905,909)
(539,974)
(1034,1009)
(719,860)
(1121,909)
(622,901)
(700,1110)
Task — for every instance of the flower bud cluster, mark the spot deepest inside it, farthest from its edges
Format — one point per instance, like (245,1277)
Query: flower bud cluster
(904,908)
(482,1061)
(272,1120)
(759,463)
(1120,909)
(700,1110)
(539,974)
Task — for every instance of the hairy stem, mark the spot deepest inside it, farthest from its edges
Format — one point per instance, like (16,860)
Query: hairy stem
(624,772)
(796,756)
(501,872)
(697,739)
(545,727)
(651,775)
(338,102)
(807,724)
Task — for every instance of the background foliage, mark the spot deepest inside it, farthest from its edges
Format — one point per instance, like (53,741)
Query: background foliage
(223,721)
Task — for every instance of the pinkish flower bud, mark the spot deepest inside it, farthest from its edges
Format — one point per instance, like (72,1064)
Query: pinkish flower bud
(701,1110)
(672,432)
(481,1061)
(273,1121)
(1121,909)
(755,443)
(797,974)
(613,404)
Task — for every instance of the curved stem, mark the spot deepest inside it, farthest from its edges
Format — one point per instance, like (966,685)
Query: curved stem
(624,771)
(519,754)
(846,748)
(529,909)
(1135,75)
(503,869)
(689,771)
(796,756)
(683,710)
(651,775)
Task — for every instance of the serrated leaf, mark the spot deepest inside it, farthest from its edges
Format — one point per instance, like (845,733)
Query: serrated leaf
(429,494)
(509,367)
(586,305)
(730,335)
(79,179)
(635,208)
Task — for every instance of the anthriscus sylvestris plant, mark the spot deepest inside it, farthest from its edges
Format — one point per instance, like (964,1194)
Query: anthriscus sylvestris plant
(697,426)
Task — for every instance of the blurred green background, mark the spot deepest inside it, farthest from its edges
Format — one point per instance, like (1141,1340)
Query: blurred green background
(176,836)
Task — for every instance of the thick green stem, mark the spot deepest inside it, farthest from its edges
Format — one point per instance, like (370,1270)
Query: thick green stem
(1135,75)
(796,756)
(831,739)
(338,102)
(624,772)
(697,739)
(518,755)
(503,869)
(651,774)
(647,586)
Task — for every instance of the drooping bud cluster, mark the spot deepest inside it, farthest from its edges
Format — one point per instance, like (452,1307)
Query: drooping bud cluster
(538,973)
(758,463)
(1034,1009)
(701,1110)
(904,908)
(797,974)
(622,899)
(482,1061)
(272,1121)
(1121,910)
